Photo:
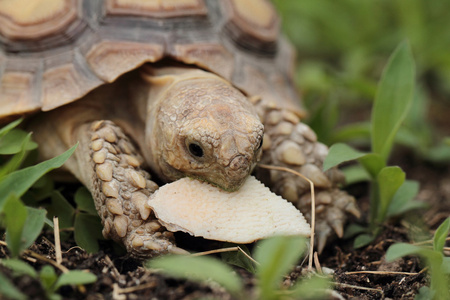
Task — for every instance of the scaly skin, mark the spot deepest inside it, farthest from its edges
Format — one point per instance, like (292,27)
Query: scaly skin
(292,144)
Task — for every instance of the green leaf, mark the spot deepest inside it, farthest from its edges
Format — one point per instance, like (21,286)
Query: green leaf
(425,293)
(352,132)
(441,235)
(354,174)
(354,229)
(238,258)
(12,142)
(312,288)
(446,265)
(393,99)
(84,201)
(19,267)
(8,290)
(9,127)
(277,256)
(200,268)
(75,277)
(20,181)
(61,208)
(15,215)
(33,226)
(363,240)
(403,199)
(389,181)
(48,278)
(340,153)
(403,249)
(373,163)
(88,230)
(14,163)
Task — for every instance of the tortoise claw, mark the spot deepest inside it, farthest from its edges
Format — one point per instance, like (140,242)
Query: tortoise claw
(338,227)
(353,209)
(178,251)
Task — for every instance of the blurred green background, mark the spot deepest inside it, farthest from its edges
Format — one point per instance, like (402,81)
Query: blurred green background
(342,47)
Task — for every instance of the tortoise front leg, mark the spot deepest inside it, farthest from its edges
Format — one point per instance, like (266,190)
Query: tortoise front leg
(292,144)
(120,188)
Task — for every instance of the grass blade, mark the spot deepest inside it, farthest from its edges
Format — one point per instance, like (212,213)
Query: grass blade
(393,99)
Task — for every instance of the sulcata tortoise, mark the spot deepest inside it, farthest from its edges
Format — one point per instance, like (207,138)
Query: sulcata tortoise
(173,88)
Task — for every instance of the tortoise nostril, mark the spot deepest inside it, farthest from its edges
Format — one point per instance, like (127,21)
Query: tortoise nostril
(239,162)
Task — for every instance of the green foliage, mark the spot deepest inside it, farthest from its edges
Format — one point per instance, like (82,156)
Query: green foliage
(20,181)
(438,264)
(339,64)
(392,102)
(48,278)
(199,268)
(276,256)
(237,258)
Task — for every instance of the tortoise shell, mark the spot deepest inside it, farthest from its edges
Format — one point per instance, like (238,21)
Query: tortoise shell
(53,52)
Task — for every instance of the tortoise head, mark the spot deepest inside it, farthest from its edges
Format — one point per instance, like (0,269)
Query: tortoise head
(206,129)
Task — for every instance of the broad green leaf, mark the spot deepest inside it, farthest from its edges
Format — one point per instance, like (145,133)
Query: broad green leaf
(84,201)
(393,99)
(312,288)
(403,249)
(12,142)
(276,256)
(14,163)
(33,226)
(48,278)
(199,268)
(373,163)
(61,208)
(19,267)
(15,215)
(403,199)
(363,240)
(389,181)
(75,277)
(88,230)
(340,153)
(20,181)
(441,235)
(8,290)
(238,258)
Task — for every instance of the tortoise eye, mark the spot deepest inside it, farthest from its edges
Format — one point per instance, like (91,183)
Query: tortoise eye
(195,150)
(260,144)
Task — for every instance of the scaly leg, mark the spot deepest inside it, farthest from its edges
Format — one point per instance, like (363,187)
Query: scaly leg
(120,188)
(292,144)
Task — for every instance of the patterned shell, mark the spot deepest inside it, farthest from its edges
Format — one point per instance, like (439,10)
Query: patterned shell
(53,52)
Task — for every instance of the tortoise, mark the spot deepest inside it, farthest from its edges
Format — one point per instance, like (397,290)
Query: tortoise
(173,88)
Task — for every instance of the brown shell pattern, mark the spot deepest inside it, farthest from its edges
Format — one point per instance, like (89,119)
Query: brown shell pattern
(53,52)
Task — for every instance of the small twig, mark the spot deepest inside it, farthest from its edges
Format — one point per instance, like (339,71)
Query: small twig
(132,289)
(313,206)
(47,260)
(230,249)
(345,285)
(317,263)
(30,255)
(58,253)
(381,273)
(73,248)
